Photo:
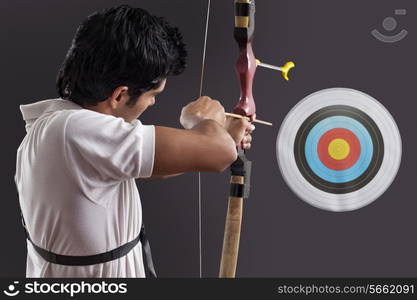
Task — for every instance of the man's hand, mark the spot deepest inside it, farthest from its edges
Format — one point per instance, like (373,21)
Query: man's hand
(206,108)
(202,109)
(241,131)
(209,144)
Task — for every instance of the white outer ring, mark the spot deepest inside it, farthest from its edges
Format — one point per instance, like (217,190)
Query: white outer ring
(339,202)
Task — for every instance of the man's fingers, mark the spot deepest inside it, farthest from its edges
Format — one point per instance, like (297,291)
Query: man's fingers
(246,146)
(251,128)
(247,139)
(240,130)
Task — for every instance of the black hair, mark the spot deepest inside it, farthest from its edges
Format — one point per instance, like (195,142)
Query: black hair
(120,46)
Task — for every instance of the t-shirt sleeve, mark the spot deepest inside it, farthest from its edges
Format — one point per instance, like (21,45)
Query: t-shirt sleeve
(109,147)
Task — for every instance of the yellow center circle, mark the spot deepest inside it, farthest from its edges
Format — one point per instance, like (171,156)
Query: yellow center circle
(339,149)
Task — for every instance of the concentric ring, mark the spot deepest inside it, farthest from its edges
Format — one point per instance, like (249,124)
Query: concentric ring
(338,181)
(367,157)
(346,160)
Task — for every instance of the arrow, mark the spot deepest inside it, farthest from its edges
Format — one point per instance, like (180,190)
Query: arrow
(284,69)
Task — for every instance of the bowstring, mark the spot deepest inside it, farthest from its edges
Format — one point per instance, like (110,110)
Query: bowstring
(203,61)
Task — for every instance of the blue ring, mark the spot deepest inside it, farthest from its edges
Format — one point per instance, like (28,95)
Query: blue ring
(339,176)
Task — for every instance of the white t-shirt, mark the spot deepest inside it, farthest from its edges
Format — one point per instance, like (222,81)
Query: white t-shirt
(75,174)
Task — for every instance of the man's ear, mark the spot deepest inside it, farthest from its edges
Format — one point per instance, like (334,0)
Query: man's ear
(119,96)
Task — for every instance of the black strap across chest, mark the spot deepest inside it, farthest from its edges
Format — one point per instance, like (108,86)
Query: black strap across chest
(116,253)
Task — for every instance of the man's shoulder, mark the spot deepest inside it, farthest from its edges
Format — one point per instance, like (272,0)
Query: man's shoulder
(92,124)
(83,118)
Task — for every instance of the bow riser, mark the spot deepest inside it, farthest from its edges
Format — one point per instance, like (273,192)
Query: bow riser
(245,69)
(246,63)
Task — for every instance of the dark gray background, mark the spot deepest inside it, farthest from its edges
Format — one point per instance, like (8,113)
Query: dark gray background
(331,44)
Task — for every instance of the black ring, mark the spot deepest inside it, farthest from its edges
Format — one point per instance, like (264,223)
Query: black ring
(345,187)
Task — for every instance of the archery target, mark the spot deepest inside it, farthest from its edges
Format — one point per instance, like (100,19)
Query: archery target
(339,149)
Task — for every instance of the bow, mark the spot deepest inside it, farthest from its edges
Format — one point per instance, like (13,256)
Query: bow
(240,170)
(245,66)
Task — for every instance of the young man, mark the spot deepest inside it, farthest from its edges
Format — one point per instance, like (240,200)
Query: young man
(77,164)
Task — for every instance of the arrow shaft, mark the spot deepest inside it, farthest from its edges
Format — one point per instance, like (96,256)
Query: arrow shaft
(268,66)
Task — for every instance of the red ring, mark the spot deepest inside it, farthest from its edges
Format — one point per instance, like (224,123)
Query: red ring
(348,161)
